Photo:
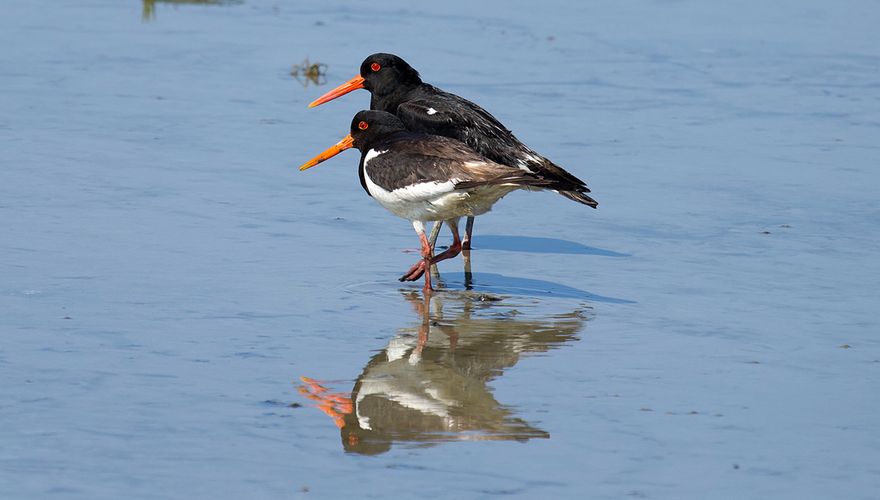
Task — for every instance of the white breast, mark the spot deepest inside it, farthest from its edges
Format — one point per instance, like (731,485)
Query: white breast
(432,200)
(423,201)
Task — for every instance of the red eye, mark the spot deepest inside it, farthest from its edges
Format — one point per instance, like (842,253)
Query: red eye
(363,125)
(375,66)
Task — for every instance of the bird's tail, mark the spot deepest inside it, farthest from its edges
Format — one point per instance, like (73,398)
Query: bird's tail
(580,197)
(511,179)
(565,183)
(576,193)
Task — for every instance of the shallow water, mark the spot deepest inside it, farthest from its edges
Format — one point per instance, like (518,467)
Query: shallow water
(169,278)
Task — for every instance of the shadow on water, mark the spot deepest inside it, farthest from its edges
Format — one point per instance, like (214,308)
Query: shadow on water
(527,287)
(540,245)
(149,6)
(429,384)
(497,284)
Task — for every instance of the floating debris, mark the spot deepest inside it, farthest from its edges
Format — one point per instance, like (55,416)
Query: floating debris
(309,72)
(149,6)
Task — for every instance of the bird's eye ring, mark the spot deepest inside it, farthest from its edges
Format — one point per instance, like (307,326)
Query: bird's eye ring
(363,125)
(375,66)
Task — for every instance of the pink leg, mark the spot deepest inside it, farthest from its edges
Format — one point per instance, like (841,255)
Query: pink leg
(450,252)
(416,271)
(426,262)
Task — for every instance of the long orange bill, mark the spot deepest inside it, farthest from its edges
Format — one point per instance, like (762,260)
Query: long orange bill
(346,143)
(353,84)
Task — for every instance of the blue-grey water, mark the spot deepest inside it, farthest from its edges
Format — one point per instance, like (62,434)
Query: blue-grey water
(185,315)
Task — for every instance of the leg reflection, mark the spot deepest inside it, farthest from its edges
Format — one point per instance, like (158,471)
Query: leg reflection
(468,276)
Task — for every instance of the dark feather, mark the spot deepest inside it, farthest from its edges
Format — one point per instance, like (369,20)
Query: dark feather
(467,122)
(580,197)
(416,158)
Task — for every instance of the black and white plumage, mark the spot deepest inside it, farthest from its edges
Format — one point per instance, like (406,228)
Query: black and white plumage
(429,178)
(397,88)
(423,178)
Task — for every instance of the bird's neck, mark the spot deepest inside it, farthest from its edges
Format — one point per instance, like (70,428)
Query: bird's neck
(385,140)
(391,100)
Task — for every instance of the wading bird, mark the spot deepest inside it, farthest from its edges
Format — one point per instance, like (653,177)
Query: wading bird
(397,88)
(424,178)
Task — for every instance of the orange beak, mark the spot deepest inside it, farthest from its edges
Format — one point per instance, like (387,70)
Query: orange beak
(353,84)
(346,143)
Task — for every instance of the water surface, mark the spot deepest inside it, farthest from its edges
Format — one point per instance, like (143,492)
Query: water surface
(169,276)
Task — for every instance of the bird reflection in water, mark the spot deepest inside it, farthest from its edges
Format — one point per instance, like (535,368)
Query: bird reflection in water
(429,385)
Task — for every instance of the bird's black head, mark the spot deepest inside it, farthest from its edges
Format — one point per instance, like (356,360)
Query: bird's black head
(386,74)
(370,127)
(367,129)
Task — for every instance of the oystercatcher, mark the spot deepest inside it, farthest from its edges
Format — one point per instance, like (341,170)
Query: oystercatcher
(423,177)
(397,88)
